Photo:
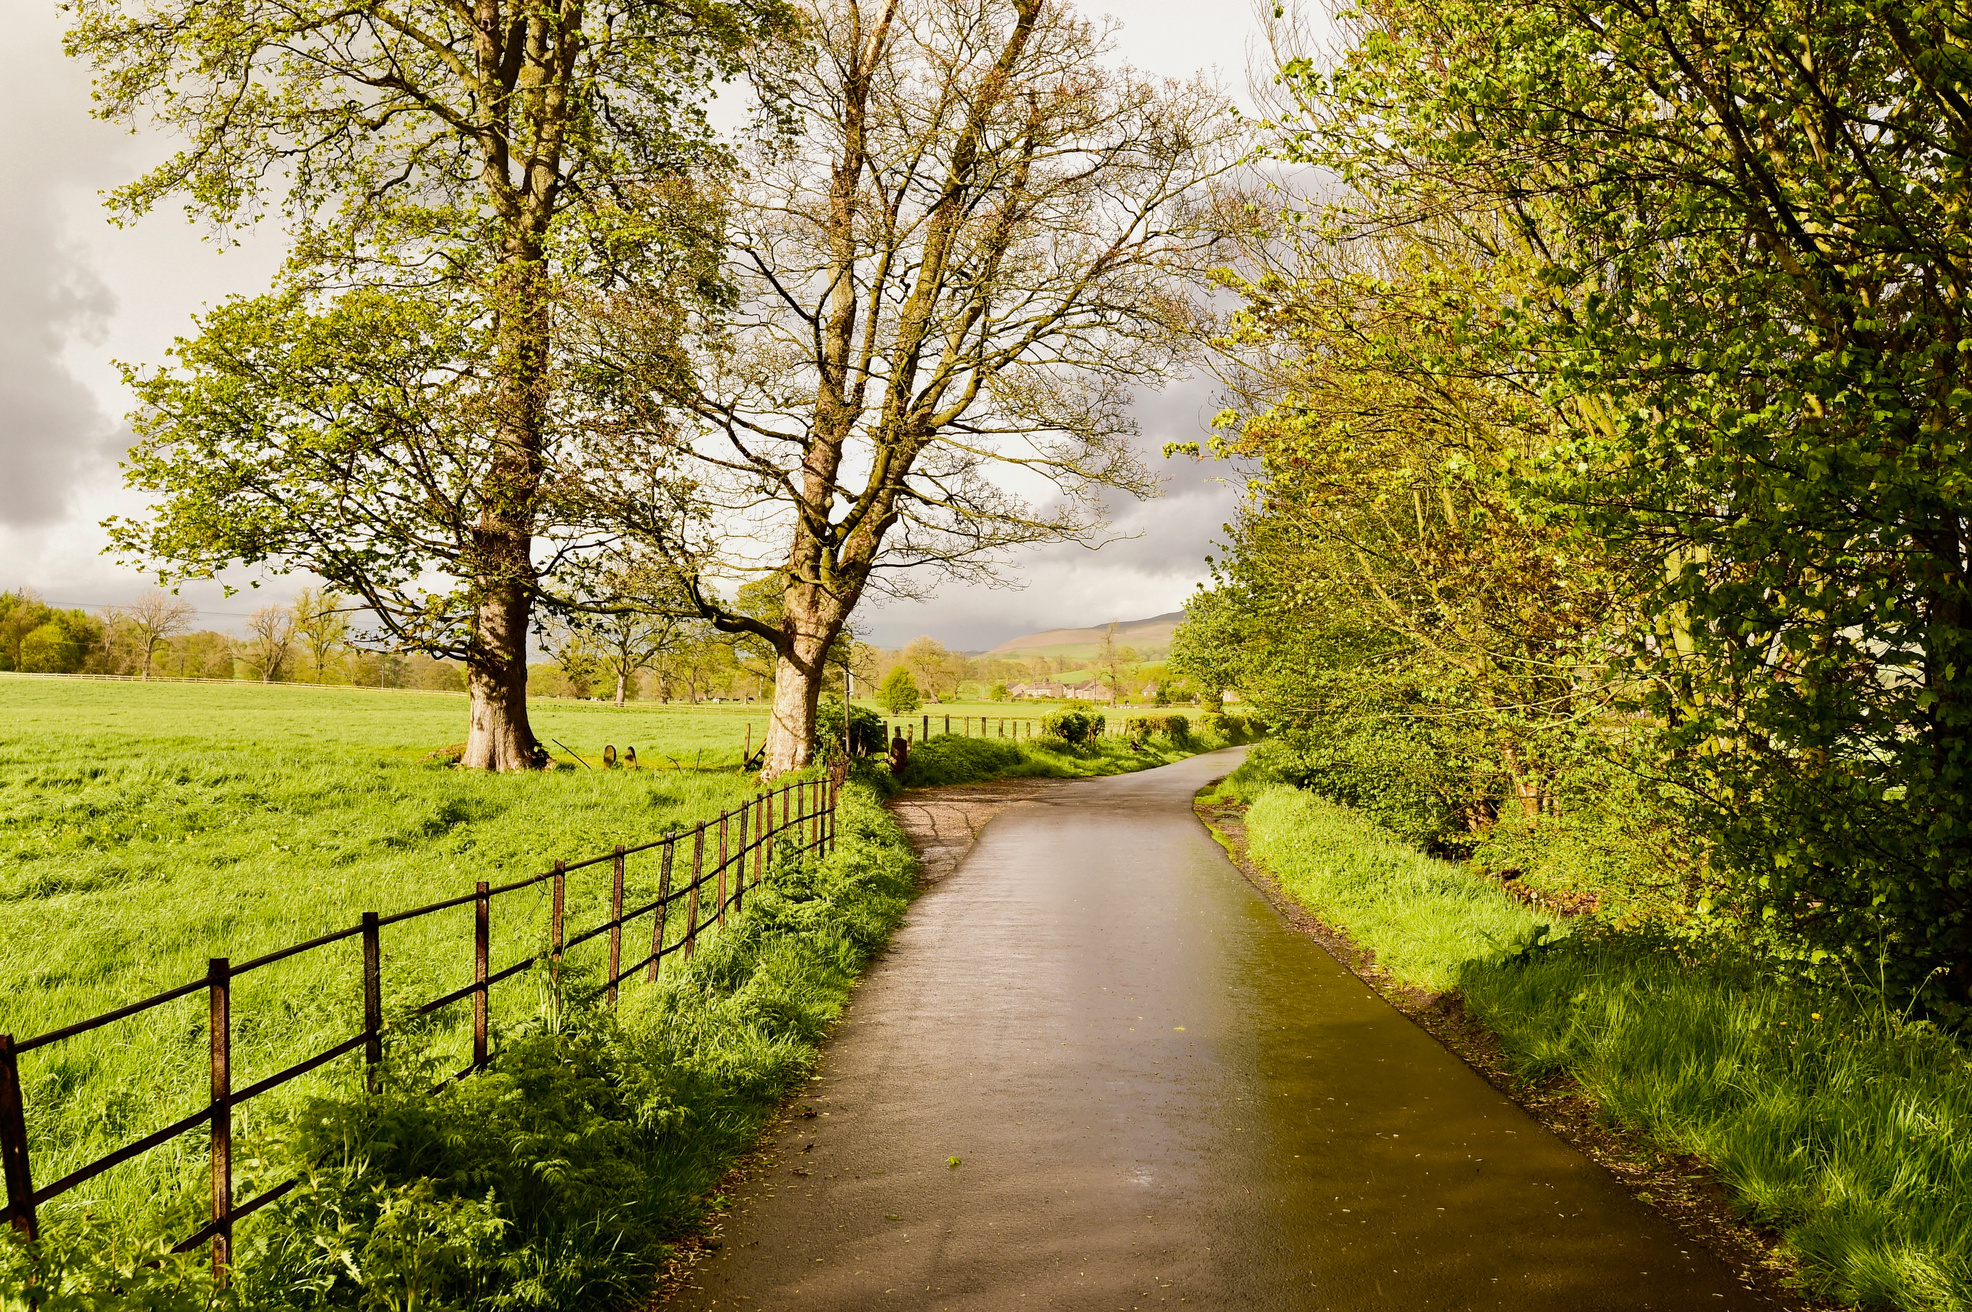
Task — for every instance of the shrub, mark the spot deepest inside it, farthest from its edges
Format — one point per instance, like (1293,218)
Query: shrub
(1075,728)
(899,693)
(997,693)
(952,759)
(1175,728)
(865,724)
(1388,773)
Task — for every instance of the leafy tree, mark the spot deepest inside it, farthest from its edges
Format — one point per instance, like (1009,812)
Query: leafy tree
(983,237)
(321,624)
(39,638)
(898,693)
(390,415)
(933,667)
(1738,252)
(625,623)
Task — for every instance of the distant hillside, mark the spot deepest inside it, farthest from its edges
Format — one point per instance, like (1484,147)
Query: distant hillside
(1151,638)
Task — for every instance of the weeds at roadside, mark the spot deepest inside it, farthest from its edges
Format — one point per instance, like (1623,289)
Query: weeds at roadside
(553,1179)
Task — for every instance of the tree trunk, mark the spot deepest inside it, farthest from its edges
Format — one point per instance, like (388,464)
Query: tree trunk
(791,728)
(499,737)
(619,690)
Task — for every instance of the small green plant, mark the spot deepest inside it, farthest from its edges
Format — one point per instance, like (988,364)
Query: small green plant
(866,726)
(1174,728)
(1076,728)
(898,693)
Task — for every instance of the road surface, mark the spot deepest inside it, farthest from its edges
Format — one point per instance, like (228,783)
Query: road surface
(1157,1094)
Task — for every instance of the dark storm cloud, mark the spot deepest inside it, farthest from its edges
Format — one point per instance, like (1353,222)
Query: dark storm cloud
(53,434)
(1149,561)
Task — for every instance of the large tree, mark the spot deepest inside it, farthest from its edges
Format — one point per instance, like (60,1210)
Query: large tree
(983,238)
(388,416)
(1749,231)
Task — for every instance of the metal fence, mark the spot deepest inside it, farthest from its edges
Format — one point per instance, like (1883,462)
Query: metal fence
(738,843)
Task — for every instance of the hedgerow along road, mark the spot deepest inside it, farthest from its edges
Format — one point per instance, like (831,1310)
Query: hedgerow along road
(1097,1070)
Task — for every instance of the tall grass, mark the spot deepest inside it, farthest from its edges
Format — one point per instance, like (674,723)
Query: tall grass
(1424,919)
(144,829)
(1834,1119)
(552,1180)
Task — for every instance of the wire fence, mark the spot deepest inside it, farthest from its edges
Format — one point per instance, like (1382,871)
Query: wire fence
(727,857)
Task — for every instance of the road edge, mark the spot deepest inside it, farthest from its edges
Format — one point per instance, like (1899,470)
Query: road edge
(1683,1190)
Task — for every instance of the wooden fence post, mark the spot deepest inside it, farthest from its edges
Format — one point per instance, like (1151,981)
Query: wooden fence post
(691,902)
(722,869)
(926,733)
(560,885)
(739,860)
(482,913)
(372,999)
(616,925)
(663,907)
(13,1143)
(763,820)
(219,992)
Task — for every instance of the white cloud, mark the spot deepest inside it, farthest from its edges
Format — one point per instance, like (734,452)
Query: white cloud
(81,294)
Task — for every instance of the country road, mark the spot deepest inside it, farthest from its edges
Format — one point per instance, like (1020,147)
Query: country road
(1158,1094)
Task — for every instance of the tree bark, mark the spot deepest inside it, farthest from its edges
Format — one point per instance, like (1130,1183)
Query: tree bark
(797,689)
(619,690)
(498,736)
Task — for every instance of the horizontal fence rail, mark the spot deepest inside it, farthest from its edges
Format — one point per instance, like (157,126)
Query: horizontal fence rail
(1013,728)
(739,843)
(238,683)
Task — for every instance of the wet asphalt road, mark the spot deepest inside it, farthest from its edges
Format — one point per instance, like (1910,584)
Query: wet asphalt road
(1159,1094)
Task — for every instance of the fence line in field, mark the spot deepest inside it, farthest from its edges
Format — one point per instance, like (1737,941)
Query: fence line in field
(807,812)
(1013,728)
(237,683)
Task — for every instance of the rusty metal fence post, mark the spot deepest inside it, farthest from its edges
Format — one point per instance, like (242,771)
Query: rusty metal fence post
(372,999)
(722,869)
(219,992)
(663,908)
(13,1142)
(691,902)
(482,910)
(763,819)
(616,925)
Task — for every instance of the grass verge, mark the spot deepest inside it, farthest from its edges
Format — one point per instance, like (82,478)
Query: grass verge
(1835,1124)
(553,1180)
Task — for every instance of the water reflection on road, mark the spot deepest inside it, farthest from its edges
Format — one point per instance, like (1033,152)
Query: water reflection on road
(1159,1094)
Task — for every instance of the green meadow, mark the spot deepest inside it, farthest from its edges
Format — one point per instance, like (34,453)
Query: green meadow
(145,828)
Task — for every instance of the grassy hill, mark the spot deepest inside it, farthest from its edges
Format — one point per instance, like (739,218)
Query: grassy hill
(1151,638)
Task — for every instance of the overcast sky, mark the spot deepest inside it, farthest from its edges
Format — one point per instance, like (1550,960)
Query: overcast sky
(81,294)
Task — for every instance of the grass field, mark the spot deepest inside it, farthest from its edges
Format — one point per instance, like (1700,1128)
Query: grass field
(145,828)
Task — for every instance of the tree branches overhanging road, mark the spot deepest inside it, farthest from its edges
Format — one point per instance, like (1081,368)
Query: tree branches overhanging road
(1716,254)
